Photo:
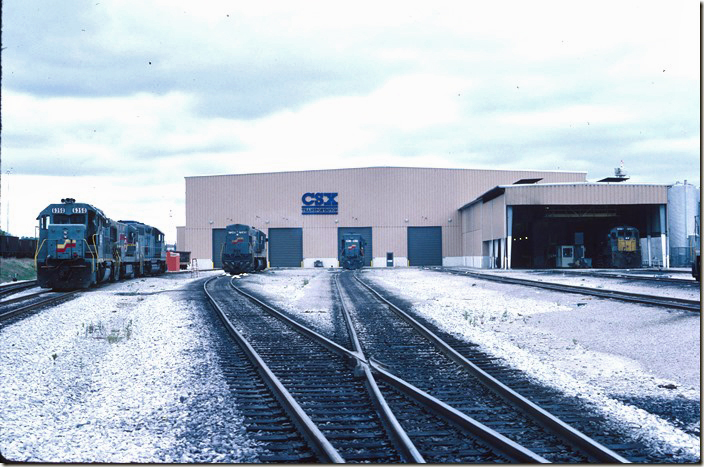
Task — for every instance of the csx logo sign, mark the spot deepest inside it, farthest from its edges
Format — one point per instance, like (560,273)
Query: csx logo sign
(319,199)
(319,203)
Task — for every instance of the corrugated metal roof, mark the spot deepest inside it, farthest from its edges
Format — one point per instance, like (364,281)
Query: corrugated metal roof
(577,193)
(390,167)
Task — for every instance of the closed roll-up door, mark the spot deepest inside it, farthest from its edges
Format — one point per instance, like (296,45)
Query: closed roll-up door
(286,247)
(218,243)
(425,246)
(366,233)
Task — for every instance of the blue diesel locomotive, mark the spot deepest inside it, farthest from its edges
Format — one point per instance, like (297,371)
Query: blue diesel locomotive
(79,247)
(148,254)
(624,247)
(244,249)
(352,251)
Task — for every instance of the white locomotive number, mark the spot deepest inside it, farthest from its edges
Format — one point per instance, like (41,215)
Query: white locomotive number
(80,210)
(58,210)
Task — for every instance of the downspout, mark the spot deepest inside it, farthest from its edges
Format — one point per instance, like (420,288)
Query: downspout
(650,230)
(509,235)
(663,239)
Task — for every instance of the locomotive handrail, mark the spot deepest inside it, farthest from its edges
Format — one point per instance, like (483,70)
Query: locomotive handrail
(92,266)
(99,246)
(36,254)
(116,257)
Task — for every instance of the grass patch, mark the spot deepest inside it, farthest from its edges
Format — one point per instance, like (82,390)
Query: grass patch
(22,268)
(113,335)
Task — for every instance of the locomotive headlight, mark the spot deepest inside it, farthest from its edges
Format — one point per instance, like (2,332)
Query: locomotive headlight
(65,233)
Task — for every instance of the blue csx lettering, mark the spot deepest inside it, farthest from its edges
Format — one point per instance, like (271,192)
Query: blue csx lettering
(319,199)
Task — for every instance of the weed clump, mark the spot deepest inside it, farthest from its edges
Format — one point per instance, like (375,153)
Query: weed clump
(115,335)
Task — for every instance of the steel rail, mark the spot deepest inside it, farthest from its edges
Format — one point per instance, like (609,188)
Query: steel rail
(320,444)
(12,287)
(492,437)
(32,306)
(403,443)
(667,302)
(352,357)
(10,301)
(507,446)
(688,281)
(574,437)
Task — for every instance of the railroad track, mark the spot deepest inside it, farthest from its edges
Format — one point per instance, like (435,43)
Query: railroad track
(653,300)
(412,351)
(320,394)
(463,439)
(15,307)
(14,287)
(689,281)
(440,432)
(271,417)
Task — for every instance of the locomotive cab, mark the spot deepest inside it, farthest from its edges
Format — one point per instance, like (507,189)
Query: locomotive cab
(624,246)
(352,251)
(244,249)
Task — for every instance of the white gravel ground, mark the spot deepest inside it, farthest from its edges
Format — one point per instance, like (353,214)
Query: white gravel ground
(133,378)
(117,378)
(305,292)
(583,280)
(590,348)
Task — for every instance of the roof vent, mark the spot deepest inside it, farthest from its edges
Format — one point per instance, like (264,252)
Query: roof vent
(619,175)
(527,181)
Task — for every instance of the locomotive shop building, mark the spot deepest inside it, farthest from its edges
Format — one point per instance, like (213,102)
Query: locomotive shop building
(425,216)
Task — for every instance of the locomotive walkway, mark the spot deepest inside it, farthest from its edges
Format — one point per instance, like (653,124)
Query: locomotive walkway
(427,402)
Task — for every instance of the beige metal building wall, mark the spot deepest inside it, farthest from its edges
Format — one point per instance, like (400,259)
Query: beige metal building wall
(586,193)
(472,218)
(180,238)
(388,199)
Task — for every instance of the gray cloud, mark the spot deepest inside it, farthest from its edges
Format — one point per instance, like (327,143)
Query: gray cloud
(240,67)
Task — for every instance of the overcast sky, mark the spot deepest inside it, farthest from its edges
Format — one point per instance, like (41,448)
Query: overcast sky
(115,102)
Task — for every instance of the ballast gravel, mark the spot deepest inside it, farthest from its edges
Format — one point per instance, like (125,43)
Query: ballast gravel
(600,351)
(128,372)
(124,373)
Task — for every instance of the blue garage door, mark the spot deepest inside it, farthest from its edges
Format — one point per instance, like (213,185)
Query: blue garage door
(366,233)
(425,246)
(286,248)
(218,244)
